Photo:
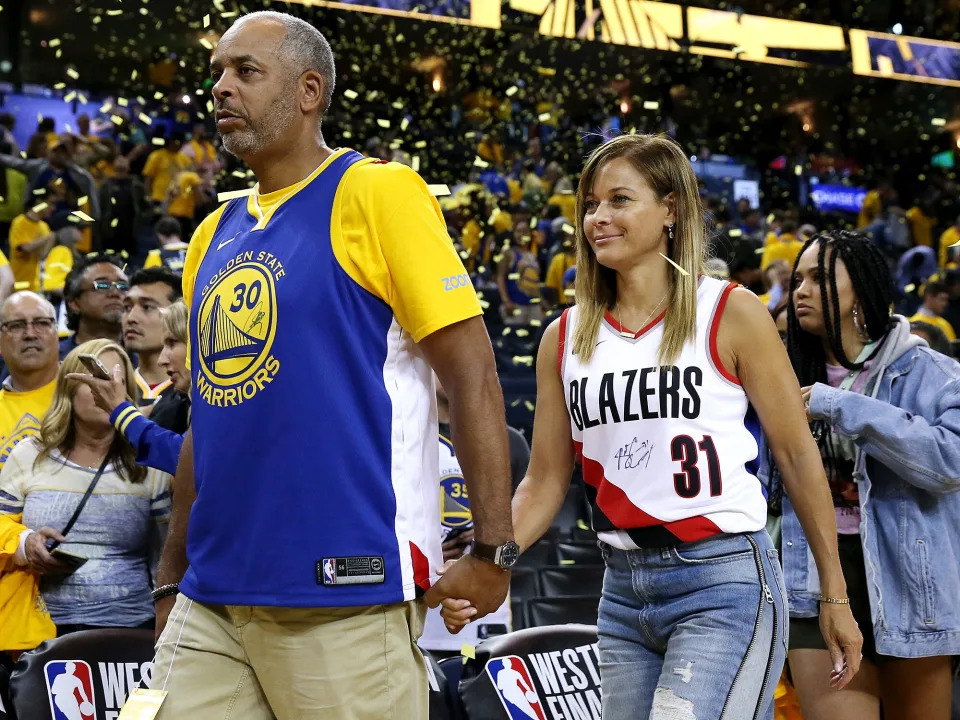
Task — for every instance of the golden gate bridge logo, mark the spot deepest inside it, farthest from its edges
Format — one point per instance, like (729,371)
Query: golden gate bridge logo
(237,322)
(221,339)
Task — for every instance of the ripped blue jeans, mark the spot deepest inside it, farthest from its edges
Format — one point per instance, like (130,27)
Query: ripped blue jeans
(693,632)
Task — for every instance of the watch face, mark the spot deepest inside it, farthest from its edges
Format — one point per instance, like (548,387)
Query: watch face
(509,554)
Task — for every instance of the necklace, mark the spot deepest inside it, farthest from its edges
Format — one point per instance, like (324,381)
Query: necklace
(627,333)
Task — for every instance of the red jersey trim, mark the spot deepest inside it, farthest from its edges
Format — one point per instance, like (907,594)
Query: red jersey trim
(620,511)
(612,321)
(421,568)
(714,328)
(562,343)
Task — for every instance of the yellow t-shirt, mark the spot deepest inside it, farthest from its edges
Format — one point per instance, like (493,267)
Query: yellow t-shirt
(20,415)
(55,268)
(921,227)
(567,202)
(936,322)
(786,248)
(184,201)
(948,238)
(163,166)
(26,269)
(559,265)
(388,235)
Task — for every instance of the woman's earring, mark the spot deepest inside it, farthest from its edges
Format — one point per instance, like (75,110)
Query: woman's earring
(861,329)
(670,231)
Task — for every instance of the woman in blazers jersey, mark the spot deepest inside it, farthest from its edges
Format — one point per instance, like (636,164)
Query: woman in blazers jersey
(648,383)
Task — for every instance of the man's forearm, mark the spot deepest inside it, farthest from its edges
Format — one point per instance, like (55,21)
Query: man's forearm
(173,561)
(482,447)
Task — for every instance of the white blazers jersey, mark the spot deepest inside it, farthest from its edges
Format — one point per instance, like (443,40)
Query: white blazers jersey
(668,454)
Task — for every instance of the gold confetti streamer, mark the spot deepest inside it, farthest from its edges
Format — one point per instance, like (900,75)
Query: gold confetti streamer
(224,196)
(438,190)
(679,269)
(82,215)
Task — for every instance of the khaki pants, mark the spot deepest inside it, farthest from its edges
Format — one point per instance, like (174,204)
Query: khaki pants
(220,662)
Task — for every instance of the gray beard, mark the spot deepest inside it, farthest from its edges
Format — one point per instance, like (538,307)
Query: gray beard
(256,137)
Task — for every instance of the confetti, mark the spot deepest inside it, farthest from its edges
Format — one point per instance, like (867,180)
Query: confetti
(54,43)
(156,141)
(350,94)
(206,21)
(468,651)
(224,196)
(206,43)
(39,208)
(383,123)
(679,269)
(512,90)
(22,285)
(73,74)
(81,201)
(651,105)
(145,119)
(82,215)
(438,190)
(70,96)
(544,117)
(404,124)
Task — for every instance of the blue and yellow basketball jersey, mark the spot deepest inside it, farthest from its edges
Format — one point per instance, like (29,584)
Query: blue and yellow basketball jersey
(314,415)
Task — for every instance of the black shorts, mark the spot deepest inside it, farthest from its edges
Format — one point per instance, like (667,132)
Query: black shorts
(805,632)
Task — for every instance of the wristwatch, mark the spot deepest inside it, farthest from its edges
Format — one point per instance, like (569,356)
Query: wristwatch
(503,556)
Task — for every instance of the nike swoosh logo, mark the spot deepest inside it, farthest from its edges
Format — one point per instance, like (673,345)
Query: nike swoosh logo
(227,242)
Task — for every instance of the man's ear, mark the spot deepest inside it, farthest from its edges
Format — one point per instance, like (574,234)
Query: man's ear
(313,92)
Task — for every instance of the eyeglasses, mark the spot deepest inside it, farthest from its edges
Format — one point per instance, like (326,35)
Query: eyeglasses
(104,286)
(18,327)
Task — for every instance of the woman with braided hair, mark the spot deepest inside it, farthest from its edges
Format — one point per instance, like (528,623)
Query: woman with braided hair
(885,411)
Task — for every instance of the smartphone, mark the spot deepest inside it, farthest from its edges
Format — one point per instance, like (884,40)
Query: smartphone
(69,558)
(96,368)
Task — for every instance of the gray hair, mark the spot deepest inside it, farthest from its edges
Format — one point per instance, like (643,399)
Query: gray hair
(304,47)
(27,293)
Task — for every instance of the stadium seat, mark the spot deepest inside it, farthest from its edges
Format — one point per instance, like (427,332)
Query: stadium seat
(441,697)
(574,508)
(518,615)
(6,707)
(577,579)
(539,554)
(451,668)
(523,583)
(579,554)
(562,610)
(108,664)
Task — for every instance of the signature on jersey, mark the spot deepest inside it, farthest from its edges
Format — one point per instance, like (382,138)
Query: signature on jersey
(634,454)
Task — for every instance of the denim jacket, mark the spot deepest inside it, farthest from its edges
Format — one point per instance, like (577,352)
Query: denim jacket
(906,427)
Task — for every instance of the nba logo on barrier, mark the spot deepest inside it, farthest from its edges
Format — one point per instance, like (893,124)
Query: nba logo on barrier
(70,689)
(515,689)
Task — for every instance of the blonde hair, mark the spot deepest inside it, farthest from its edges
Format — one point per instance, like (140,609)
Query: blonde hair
(174,319)
(665,167)
(57,430)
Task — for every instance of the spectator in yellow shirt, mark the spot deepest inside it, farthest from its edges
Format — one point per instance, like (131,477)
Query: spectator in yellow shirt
(30,240)
(787,246)
(59,261)
(163,166)
(565,259)
(921,226)
(947,254)
(204,156)
(184,195)
(874,204)
(936,297)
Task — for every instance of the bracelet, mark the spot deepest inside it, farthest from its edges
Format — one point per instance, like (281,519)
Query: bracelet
(165,591)
(834,601)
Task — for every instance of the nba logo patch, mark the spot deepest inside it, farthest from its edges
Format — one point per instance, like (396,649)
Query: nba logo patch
(330,571)
(70,689)
(514,687)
